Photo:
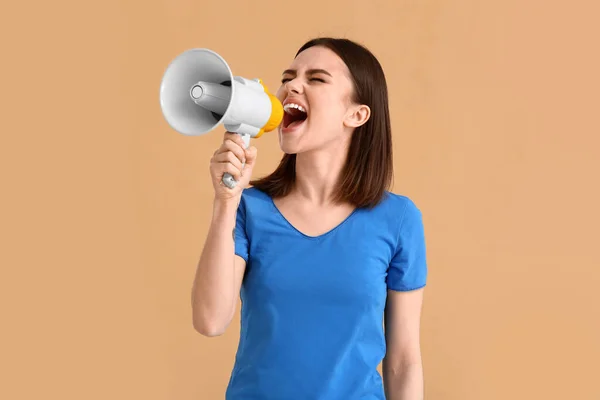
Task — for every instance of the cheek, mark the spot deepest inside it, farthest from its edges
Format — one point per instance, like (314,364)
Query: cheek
(327,112)
(280,94)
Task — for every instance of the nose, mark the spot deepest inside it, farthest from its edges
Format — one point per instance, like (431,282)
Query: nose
(293,86)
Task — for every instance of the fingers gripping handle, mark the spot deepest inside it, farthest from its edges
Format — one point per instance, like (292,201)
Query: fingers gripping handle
(228,179)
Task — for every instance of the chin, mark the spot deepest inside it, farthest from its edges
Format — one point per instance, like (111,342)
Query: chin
(287,147)
(288,143)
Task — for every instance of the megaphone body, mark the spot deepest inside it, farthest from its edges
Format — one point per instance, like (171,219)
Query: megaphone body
(198,92)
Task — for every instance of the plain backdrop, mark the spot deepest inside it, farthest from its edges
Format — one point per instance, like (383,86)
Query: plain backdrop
(104,208)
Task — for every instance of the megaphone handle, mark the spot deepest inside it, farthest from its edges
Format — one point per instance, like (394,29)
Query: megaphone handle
(228,179)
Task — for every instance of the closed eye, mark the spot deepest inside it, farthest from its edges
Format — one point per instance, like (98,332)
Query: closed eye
(283,81)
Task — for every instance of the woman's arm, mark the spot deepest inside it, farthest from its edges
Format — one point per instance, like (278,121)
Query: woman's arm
(219,274)
(220,271)
(402,365)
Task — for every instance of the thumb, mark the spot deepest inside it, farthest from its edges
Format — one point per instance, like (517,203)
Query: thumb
(251,153)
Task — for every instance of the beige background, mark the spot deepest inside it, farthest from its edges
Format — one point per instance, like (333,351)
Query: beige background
(105,208)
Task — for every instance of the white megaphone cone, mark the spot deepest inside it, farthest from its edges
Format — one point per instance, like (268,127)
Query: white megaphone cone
(198,92)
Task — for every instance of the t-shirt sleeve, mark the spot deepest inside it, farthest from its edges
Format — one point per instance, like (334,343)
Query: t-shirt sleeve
(408,267)
(241,237)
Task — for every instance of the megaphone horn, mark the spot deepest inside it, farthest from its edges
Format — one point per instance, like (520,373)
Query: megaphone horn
(198,92)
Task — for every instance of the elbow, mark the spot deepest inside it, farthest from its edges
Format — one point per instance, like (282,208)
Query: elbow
(210,328)
(209,332)
(209,322)
(401,363)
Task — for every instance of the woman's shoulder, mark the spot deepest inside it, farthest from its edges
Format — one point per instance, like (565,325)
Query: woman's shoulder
(255,199)
(398,202)
(252,192)
(396,208)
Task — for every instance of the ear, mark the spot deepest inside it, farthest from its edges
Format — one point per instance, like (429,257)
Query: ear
(357,116)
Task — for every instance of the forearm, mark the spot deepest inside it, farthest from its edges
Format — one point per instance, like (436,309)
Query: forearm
(404,382)
(213,288)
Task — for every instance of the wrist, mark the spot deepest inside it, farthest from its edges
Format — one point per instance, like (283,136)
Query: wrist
(225,208)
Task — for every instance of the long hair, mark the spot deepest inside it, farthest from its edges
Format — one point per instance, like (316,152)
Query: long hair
(368,171)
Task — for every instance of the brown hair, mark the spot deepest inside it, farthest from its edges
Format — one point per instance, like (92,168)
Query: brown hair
(368,171)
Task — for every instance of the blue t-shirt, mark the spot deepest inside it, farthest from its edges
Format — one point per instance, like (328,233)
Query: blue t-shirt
(313,307)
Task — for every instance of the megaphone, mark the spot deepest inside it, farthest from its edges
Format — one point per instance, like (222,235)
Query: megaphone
(198,92)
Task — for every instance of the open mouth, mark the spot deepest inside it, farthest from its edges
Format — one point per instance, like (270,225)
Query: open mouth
(294,115)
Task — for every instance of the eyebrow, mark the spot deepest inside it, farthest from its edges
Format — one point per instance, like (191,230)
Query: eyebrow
(308,72)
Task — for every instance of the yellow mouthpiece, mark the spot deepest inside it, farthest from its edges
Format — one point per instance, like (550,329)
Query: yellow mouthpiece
(276,113)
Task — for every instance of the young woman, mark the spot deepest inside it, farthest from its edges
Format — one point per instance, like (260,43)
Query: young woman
(322,254)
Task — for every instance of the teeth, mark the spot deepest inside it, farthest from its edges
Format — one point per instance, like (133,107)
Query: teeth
(287,107)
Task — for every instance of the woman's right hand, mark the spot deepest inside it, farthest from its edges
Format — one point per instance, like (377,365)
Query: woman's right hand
(229,158)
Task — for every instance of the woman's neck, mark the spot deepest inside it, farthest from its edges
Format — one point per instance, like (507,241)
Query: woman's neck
(317,173)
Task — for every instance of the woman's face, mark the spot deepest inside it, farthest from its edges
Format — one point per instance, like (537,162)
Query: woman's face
(316,92)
